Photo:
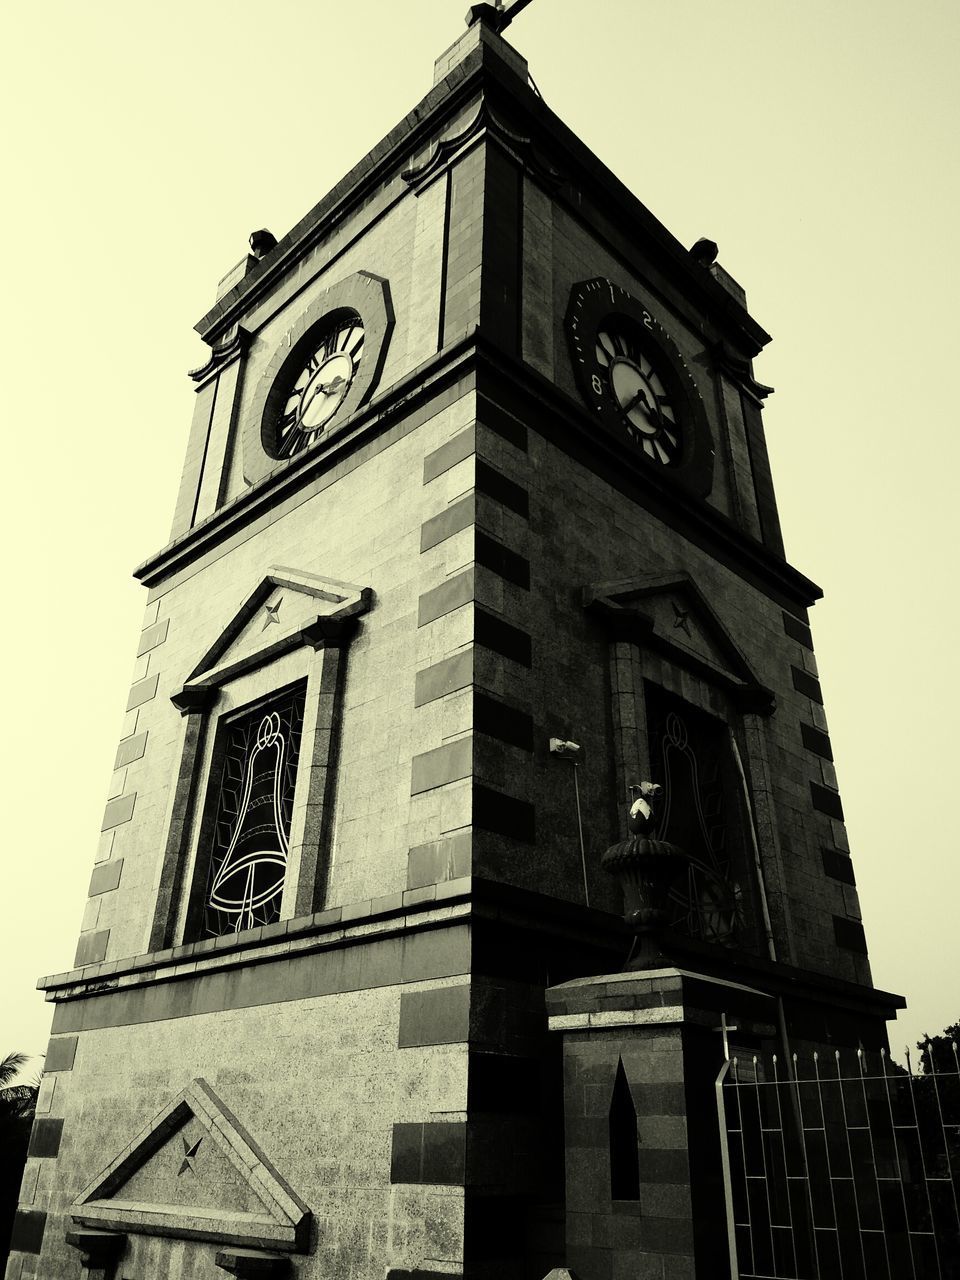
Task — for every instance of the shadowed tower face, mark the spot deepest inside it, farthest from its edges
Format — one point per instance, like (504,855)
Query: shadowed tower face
(477,462)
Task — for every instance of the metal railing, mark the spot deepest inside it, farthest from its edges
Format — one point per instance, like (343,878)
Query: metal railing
(833,1176)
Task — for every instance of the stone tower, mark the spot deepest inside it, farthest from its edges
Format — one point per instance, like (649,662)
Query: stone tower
(476,472)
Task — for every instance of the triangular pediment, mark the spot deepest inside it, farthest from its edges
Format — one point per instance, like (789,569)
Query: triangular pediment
(669,613)
(195,1172)
(285,609)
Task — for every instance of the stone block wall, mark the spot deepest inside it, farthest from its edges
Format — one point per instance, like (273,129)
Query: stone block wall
(365,528)
(323,1085)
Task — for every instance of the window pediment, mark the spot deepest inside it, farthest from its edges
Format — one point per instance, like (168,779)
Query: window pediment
(670,614)
(287,609)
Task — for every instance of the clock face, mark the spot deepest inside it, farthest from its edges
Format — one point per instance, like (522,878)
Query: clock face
(322,372)
(321,385)
(647,407)
(633,377)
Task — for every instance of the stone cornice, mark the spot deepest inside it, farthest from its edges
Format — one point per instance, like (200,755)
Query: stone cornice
(587,184)
(231,347)
(740,373)
(484,123)
(332,928)
(417,389)
(522,909)
(515,116)
(541,406)
(386,159)
(477,902)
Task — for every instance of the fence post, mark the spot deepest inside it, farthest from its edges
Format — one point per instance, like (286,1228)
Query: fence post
(725,1163)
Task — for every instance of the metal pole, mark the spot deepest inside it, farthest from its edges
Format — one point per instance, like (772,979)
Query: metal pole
(873,1160)
(798,1085)
(896,1155)
(784,1155)
(853,1167)
(923,1165)
(755,844)
(831,1179)
(727,1176)
(508,15)
(583,852)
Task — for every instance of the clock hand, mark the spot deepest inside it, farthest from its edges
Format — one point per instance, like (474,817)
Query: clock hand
(334,385)
(640,399)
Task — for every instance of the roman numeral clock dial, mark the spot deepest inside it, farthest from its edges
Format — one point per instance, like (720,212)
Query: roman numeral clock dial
(632,375)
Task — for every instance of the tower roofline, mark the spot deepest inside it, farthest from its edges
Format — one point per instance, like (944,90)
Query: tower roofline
(482,62)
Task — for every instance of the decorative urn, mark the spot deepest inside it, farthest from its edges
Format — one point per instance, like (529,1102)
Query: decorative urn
(646,869)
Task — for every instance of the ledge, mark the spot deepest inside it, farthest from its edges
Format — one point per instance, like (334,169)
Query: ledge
(475,365)
(485,905)
(250,1263)
(385,160)
(483,74)
(606,1019)
(509,385)
(336,927)
(394,407)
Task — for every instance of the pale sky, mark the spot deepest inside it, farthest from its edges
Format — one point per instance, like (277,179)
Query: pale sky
(816,142)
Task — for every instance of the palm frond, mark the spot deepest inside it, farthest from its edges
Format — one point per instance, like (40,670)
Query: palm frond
(18,1102)
(10,1065)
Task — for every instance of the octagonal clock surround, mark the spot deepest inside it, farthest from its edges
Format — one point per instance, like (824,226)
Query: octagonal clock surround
(632,375)
(290,393)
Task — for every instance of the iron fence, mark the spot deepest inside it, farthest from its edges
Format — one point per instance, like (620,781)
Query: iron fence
(833,1176)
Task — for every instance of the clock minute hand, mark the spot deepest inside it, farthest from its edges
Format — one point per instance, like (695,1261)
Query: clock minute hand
(334,385)
(639,399)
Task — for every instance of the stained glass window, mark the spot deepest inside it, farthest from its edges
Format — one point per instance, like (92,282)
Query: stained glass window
(702,812)
(255,768)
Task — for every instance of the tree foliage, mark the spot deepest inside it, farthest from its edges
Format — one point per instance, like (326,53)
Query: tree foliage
(18,1103)
(9,1066)
(937,1052)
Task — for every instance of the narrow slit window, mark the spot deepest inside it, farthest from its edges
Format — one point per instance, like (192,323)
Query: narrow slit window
(624,1141)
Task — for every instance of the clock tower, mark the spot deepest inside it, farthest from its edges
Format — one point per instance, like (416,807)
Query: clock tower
(476,536)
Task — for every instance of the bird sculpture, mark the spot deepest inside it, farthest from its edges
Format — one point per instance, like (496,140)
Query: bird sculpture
(641,818)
